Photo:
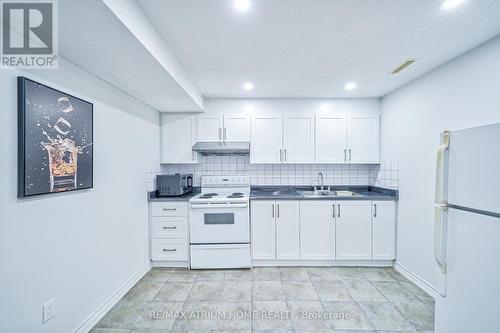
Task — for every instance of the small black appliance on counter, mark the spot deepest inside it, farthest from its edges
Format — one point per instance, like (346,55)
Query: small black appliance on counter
(174,185)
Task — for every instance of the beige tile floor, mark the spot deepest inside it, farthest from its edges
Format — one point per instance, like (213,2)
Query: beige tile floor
(272,299)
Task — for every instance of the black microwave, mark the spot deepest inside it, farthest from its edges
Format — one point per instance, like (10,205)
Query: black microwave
(174,185)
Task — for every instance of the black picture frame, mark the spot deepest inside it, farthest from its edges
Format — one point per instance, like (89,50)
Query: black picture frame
(56,153)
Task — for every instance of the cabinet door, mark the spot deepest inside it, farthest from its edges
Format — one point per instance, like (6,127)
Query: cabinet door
(210,127)
(178,134)
(298,138)
(353,230)
(263,230)
(331,138)
(317,230)
(363,139)
(266,144)
(384,230)
(236,127)
(287,229)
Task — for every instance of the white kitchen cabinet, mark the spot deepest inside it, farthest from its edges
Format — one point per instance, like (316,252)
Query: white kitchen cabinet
(236,127)
(267,139)
(331,138)
(210,127)
(317,230)
(287,230)
(298,138)
(263,229)
(275,230)
(178,135)
(353,232)
(223,127)
(384,230)
(363,138)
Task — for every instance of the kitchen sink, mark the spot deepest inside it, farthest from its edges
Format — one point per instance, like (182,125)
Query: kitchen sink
(327,193)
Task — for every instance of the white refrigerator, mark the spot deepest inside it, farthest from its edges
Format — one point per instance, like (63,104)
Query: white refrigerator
(467,231)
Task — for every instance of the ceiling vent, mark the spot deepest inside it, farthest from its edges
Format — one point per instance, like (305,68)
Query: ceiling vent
(405,64)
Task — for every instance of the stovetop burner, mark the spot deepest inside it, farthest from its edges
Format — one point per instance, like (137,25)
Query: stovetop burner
(208,195)
(236,195)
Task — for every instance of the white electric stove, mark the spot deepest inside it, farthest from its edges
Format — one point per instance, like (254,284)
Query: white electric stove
(219,223)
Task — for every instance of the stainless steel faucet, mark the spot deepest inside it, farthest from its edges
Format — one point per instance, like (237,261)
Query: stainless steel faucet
(320,177)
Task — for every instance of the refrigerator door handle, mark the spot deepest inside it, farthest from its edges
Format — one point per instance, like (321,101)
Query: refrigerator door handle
(441,205)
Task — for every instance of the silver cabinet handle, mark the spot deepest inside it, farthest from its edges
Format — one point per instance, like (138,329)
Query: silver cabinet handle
(333,206)
(375,210)
(338,215)
(169,209)
(169,250)
(225,134)
(278,206)
(285,155)
(345,155)
(220,134)
(273,211)
(349,154)
(165,227)
(281,155)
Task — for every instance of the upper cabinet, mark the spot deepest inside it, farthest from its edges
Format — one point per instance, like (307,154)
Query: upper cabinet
(331,138)
(280,138)
(321,138)
(223,127)
(298,139)
(363,138)
(210,127)
(178,134)
(267,139)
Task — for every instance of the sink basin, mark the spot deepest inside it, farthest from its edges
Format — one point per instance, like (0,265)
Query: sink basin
(326,193)
(275,192)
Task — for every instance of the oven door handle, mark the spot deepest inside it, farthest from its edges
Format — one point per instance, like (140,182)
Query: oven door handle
(215,205)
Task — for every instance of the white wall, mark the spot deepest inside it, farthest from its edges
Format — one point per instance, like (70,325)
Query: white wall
(78,247)
(461,93)
(313,105)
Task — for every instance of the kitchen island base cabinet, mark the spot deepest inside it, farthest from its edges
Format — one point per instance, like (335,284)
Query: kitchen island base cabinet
(353,230)
(317,230)
(275,230)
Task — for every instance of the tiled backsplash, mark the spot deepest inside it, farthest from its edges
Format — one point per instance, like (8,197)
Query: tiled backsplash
(388,175)
(383,175)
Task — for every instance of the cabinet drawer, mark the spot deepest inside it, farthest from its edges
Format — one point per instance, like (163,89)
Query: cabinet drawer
(169,209)
(169,249)
(169,227)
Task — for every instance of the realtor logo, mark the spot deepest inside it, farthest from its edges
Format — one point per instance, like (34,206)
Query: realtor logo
(29,38)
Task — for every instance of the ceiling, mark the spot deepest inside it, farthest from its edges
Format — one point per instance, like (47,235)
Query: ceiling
(92,37)
(171,54)
(312,48)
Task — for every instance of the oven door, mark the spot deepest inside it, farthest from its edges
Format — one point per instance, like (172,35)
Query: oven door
(216,224)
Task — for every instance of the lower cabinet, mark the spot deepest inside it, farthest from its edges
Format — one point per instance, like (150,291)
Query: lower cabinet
(323,230)
(169,233)
(287,230)
(384,230)
(275,230)
(353,230)
(317,230)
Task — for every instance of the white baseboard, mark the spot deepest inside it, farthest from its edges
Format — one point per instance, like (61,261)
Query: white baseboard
(328,263)
(95,317)
(421,283)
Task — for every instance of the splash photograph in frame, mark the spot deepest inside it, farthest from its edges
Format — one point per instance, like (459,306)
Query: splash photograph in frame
(55,140)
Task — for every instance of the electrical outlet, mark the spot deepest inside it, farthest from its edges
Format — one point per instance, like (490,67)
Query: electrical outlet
(49,310)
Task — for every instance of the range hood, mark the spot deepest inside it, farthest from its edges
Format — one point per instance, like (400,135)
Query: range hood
(222,148)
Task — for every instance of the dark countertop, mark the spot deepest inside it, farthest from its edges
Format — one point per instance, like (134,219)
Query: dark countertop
(291,193)
(152,196)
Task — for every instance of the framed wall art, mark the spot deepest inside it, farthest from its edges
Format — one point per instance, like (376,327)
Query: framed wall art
(55,140)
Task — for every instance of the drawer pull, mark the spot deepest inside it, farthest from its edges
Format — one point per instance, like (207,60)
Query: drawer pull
(169,250)
(175,227)
(166,209)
